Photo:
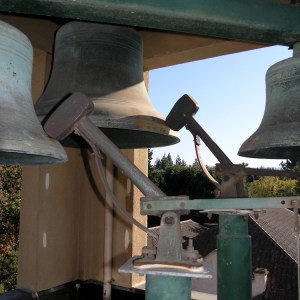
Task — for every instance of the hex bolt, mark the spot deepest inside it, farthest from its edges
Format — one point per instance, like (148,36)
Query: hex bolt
(169,220)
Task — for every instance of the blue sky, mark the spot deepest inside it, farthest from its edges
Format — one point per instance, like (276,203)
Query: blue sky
(230,91)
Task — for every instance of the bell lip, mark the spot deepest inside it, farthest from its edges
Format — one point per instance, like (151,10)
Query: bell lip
(272,153)
(25,159)
(131,139)
(46,152)
(272,144)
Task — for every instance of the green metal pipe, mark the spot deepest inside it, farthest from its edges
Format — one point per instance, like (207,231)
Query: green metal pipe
(234,258)
(161,287)
(261,21)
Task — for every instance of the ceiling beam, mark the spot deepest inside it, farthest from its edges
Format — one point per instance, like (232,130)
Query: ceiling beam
(261,21)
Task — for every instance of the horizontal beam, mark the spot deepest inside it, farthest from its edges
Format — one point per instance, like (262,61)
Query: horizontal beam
(151,206)
(260,21)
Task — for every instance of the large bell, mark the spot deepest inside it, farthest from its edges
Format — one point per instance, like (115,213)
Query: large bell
(22,139)
(105,62)
(278,135)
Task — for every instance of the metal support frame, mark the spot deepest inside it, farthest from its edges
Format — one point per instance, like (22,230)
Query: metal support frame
(260,21)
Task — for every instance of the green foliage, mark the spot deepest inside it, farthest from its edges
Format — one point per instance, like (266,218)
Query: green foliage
(272,186)
(275,186)
(150,157)
(10,198)
(164,163)
(290,164)
(181,179)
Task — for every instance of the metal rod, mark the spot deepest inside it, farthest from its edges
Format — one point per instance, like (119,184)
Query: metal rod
(146,186)
(196,129)
(234,261)
(259,21)
(108,233)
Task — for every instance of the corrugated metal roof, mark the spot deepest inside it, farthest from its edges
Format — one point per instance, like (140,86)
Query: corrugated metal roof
(279,225)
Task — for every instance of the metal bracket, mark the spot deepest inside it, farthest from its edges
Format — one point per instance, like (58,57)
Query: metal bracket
(169,258)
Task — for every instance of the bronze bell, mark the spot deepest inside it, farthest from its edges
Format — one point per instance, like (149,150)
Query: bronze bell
(105,62)
(22,139)
(278,136)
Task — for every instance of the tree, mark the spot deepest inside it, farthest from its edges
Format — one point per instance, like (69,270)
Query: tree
(179,161)
(10,198)
(272,186)
(290,164)
(150,157)
(181,179)
(164,163)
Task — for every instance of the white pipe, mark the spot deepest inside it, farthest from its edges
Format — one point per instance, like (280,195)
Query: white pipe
(108,233)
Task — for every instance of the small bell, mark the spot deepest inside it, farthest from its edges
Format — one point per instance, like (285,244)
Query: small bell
(22,138)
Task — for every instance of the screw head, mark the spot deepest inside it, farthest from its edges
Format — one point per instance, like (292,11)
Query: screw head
(169,220)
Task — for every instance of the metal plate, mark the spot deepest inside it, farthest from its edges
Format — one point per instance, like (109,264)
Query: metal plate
(160,269)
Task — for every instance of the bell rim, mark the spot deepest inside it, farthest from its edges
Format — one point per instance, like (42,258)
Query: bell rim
(137,139)
(275,145)
(43,152)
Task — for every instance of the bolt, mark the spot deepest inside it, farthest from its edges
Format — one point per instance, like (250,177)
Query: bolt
(149,206)
(169,220)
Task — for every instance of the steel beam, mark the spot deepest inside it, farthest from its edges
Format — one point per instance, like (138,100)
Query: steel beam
(259,21)
(150,205)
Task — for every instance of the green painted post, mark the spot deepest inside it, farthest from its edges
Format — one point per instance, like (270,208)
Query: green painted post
(234,258)
(161,287)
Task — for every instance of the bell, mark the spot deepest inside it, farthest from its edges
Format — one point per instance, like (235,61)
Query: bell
(22,138)
(105,62)
(278,136)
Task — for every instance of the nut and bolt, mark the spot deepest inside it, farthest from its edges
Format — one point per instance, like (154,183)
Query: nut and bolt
(169,220)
